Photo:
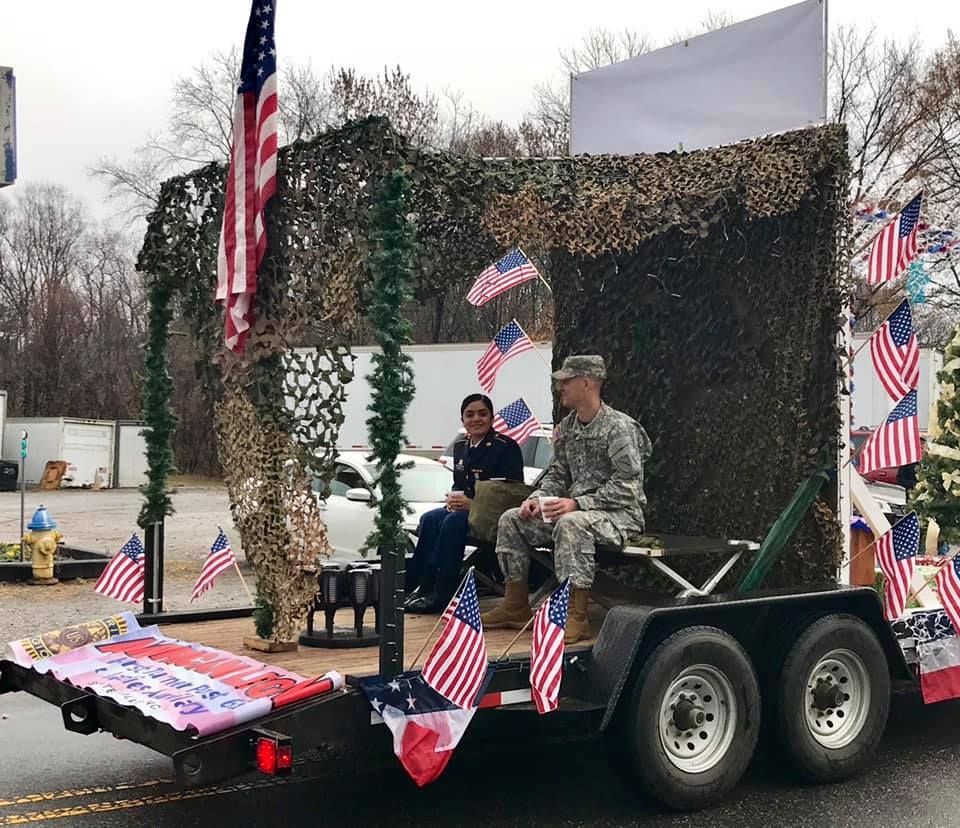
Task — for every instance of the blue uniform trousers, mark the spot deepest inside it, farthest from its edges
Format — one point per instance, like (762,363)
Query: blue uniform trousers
(440,544)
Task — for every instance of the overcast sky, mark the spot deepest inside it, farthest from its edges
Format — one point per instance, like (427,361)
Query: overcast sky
(93,78)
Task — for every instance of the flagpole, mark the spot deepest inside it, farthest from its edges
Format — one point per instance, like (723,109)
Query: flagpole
(426,641)
(516,638)
(537,269)
(242,581)
(536,350)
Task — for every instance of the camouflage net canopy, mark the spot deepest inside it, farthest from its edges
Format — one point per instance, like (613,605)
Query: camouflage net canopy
(710,281)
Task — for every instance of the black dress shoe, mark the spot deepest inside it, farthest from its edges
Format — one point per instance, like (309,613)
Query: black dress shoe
(426,605)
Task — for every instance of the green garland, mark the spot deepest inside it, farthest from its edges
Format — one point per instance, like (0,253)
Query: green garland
(160,420)
(392,379)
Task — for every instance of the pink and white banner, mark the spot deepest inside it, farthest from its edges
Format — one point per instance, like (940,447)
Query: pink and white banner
(187,686)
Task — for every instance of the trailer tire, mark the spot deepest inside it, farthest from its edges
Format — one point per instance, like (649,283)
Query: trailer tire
(691,762)
(833,698)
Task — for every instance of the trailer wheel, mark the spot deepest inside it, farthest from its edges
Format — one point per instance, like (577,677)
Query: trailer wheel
(833,698)
(694,718)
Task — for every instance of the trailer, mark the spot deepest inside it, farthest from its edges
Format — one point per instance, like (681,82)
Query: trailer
(680,687)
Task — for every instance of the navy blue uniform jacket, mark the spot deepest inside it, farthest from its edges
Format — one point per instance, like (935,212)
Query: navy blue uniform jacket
(496,455)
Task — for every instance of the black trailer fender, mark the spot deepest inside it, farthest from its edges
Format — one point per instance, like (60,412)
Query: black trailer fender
(760,621)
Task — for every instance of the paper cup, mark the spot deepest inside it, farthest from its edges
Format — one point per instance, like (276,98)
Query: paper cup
(544,501)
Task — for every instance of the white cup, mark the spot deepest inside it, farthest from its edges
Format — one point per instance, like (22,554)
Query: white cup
(544,499)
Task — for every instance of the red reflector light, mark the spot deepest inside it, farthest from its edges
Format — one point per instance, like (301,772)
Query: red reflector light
(266,756)
(284,758)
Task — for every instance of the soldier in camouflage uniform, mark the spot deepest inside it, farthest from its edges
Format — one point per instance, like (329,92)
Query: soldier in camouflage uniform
(597,477)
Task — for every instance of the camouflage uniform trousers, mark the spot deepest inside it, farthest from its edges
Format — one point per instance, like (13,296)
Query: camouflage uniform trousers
(574,537)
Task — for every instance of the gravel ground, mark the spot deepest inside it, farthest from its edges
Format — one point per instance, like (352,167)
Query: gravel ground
(104,521)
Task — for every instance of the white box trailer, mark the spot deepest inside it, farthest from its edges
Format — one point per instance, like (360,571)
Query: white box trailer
(444,375)
(87,447)
(871,403)
(130,463)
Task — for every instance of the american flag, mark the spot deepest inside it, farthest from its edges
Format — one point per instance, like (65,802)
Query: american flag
(516,421)
(251,178)
(512,270)
(457,665)
(948,587)
(546,648)
(897,441)
(895,246)
(897,554)
(219,560)
(510,341)
(123,576)
(895,353)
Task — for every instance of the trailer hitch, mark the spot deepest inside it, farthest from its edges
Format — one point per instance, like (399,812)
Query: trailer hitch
(80,715)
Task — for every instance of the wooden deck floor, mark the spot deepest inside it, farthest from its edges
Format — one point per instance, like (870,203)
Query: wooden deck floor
(311,661)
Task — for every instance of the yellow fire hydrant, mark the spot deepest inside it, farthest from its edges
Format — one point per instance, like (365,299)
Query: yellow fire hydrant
(42,541)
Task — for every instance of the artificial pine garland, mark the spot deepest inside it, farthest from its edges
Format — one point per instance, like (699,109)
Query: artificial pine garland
(392,386)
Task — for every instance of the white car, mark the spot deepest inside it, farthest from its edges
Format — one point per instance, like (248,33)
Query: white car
(537,450)
(348,512)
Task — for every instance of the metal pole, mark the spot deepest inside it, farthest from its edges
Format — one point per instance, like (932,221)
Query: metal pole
(392,577)
(153,569)
(23,486)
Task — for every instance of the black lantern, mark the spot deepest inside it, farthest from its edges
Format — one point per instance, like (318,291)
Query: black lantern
(356,586)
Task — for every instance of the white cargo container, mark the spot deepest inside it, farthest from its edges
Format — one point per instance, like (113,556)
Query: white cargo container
(444,375)
(87,447)
(130,465)
(871,403)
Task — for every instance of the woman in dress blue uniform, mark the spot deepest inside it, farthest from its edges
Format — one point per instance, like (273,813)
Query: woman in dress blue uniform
(480,454)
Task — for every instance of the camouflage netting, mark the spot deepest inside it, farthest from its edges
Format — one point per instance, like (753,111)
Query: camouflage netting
(709,281)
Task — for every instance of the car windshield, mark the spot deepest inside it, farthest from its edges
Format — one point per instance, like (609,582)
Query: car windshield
(423,482)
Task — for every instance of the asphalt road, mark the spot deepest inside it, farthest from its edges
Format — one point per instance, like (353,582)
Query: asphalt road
(50,776)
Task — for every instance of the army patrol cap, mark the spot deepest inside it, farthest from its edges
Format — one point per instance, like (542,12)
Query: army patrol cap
(582,365)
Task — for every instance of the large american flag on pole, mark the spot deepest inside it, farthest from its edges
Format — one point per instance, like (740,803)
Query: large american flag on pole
(897,555)
(516,420)
(895,353)
(895,246)
(457,665)
(512,270)
(510,341)
(122,578)
(896,442)
(219,560)
(948,587)
(546,648)
(251,177)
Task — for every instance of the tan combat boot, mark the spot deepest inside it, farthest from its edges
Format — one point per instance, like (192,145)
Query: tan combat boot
(578,625)
(513,611)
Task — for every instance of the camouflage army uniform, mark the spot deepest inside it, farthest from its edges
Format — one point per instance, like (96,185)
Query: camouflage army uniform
(600,465)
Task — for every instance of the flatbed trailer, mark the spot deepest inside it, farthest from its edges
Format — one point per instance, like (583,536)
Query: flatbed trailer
(679,687)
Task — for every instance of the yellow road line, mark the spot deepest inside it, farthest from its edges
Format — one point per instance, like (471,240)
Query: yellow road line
(50,796)
(143,801)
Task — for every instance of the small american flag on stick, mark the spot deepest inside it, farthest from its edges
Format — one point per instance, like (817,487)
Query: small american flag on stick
(508,343)
(122,578)
(457,665)
(897,555)
(897,441)
(546,648)
(895,246)
(251,177)
(516,420)
(895,354)
(512,270)
(948,587)
(219,560)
